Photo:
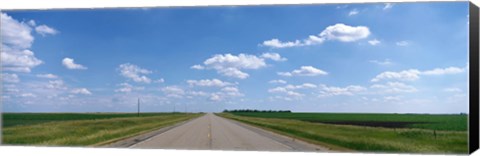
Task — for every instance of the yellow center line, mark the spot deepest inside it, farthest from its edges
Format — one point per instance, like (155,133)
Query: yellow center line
(209,135)
(209,131)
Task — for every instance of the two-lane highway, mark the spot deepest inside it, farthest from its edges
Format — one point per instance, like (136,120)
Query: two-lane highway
(213,132)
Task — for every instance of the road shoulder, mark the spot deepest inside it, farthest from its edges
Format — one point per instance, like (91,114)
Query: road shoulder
(128,142)
(296,144)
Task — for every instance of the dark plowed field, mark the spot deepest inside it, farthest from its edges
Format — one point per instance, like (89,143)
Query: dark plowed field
(373,123)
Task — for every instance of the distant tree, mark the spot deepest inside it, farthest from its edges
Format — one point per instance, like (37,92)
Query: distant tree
(255,111)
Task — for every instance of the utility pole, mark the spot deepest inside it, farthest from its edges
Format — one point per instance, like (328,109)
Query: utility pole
(138,107)
(174,108)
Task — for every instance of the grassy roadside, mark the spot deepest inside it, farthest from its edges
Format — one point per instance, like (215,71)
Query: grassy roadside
(87,132)
(359,138)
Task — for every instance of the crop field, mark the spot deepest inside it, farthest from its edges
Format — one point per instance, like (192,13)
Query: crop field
(16,119)
(81,129)
(345,132)
(422,121)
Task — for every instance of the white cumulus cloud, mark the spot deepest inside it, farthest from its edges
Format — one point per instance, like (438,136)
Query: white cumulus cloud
(288,92)
(83,91)
(48,76)
(209,83)
(273,56)
(233,72)
(135,73)
(278,81)
(45,30)
(302,86)
(326,91)
(198,93)
(414,74)
(374,42)
(339,32)
(276,43)
(159,80)
(32,23)
(443,71)
(231,91)
(402,43)
(70,64)
(291,90)
(215,97)
(345,33)
(28,95)
(16,39)
(56,84)
(394,87)
(304,71)
(233,65)
(241,61)
(387,6)
(10,78)
(173,91)
(220,95)
(385,62)
(353,12)
(14,33)
(198,67)
(126,88)
(406,75)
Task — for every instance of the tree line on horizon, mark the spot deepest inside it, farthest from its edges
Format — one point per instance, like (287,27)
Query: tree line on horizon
(255,111)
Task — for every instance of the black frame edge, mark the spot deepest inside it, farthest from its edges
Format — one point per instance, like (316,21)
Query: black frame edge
(473,126)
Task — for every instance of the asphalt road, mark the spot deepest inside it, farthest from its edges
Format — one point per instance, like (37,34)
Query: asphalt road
(216,133)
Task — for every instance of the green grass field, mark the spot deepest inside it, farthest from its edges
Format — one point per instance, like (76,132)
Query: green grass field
(81,129)
(422,121)
(16,119)
(417,139)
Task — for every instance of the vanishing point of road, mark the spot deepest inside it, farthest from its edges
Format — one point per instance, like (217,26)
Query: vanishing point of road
(211,132)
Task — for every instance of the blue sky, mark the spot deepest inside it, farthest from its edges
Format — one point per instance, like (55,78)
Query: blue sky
(377,57)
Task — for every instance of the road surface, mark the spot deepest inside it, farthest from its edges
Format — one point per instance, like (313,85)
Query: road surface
(216,133)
